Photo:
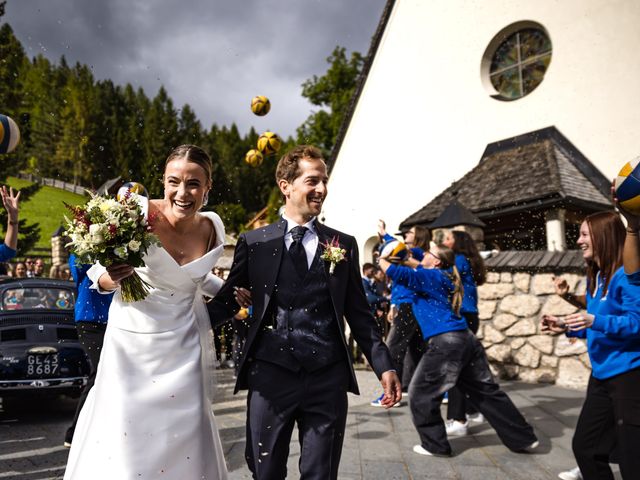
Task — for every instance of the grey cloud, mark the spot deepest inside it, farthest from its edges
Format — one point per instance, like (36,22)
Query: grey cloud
(213,55)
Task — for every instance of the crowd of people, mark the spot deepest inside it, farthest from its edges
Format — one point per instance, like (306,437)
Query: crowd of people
(278,317)
(34,267)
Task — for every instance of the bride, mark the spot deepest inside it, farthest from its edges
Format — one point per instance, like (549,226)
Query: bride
(149,415)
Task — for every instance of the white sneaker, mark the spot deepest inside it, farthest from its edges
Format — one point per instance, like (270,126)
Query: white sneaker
(475,419)
(419,449)
(456,428)
(573,474)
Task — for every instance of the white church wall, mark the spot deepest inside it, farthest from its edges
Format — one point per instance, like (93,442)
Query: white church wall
(424,116)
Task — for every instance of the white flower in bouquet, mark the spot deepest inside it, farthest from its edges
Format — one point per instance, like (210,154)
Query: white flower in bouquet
(134,245)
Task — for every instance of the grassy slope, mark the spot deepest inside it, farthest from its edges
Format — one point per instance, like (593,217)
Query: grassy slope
(45,208)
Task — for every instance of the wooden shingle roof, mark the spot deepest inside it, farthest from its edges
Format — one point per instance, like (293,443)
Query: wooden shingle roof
(536,261)
(537,169)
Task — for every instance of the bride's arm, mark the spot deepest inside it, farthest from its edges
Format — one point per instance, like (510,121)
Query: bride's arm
(106,280)
(211,284)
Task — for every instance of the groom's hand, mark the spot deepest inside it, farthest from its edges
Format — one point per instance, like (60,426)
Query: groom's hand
(392,389)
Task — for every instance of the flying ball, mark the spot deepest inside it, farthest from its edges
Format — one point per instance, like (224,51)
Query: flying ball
(131,187)
(393,250)
(260,105)
(269,143)
(254,158)
(628,186)
(9,134)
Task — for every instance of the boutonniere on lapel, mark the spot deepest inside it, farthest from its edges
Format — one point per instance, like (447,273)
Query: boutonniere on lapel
(333,253)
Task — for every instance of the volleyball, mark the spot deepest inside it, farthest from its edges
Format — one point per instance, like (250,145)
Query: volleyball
(9,134)
(260,105)
(628,186)
(393,250)
(254,158)
(269,143)
(131,187)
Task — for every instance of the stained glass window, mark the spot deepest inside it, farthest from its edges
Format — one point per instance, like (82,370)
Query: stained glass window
(520,62)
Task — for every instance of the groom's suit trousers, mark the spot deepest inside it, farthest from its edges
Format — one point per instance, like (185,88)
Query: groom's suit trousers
(278,398)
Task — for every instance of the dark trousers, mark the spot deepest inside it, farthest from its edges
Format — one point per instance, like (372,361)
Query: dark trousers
(458,406)
(278,398)
(458,358)
(91,336)
(610,417)
(405,340)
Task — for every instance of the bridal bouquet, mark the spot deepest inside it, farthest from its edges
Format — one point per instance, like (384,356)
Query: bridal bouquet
(112,231)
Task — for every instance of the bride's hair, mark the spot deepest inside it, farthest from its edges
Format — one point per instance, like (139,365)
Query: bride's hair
(193,154)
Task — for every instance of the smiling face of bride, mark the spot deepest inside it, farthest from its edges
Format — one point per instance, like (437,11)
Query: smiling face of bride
(186,182)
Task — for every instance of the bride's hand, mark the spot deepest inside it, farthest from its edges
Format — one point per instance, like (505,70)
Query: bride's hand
(243,296)
(114,275)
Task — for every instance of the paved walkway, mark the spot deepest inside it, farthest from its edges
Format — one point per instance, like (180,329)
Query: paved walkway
(378,443)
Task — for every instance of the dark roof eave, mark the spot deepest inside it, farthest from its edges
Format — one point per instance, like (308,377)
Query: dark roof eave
(554,201)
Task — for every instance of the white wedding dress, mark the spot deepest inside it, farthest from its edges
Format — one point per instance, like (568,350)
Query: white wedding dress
(149,414)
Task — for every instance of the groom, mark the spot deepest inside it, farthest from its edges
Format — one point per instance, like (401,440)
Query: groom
(295,362)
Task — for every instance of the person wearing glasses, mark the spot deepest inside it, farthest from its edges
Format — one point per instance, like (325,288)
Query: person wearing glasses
(453,357)
(29,263)
(9,248)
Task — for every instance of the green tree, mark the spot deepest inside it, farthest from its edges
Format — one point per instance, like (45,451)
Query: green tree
(332,92)
(159,138)
(77,117)
(189,127)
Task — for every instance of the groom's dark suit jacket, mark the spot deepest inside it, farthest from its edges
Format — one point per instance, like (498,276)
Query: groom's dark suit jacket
(256,265)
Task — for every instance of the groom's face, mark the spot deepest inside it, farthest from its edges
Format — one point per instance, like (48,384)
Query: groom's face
(305,195)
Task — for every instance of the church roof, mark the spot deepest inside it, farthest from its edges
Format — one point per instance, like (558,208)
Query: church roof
(540,169)
(456,214)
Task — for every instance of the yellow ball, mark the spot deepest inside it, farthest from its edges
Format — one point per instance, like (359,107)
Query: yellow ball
(254,158)
(260,105)
(9,134)
(131,187)
(269,143)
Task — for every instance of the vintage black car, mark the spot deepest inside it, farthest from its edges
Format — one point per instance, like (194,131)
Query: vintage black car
(39,348)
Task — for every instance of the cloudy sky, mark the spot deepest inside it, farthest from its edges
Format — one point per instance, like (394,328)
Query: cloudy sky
(212,54)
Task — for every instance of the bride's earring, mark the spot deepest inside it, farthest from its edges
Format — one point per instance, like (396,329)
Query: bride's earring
(205,199)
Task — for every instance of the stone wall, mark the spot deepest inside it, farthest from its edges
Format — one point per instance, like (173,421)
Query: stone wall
(511,305)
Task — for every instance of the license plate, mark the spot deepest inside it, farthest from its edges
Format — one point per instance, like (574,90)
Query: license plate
(42,365)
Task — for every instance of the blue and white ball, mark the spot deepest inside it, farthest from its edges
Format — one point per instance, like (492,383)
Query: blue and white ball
(394,250)
(9,134)
(131,187)
(628,186)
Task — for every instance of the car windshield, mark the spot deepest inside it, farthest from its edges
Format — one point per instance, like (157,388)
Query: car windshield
(38,297)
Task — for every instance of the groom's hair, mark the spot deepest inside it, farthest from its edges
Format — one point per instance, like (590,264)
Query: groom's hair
(288,166)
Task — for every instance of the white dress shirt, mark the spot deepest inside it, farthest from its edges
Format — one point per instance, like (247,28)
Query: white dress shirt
(309,242)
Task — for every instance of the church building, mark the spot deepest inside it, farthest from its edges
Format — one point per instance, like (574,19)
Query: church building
(446,79)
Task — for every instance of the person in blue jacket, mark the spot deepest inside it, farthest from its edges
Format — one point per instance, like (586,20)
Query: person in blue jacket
(610,415)
(8,249)
(405,339)
(453,355)
(473,273)
(91,313)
